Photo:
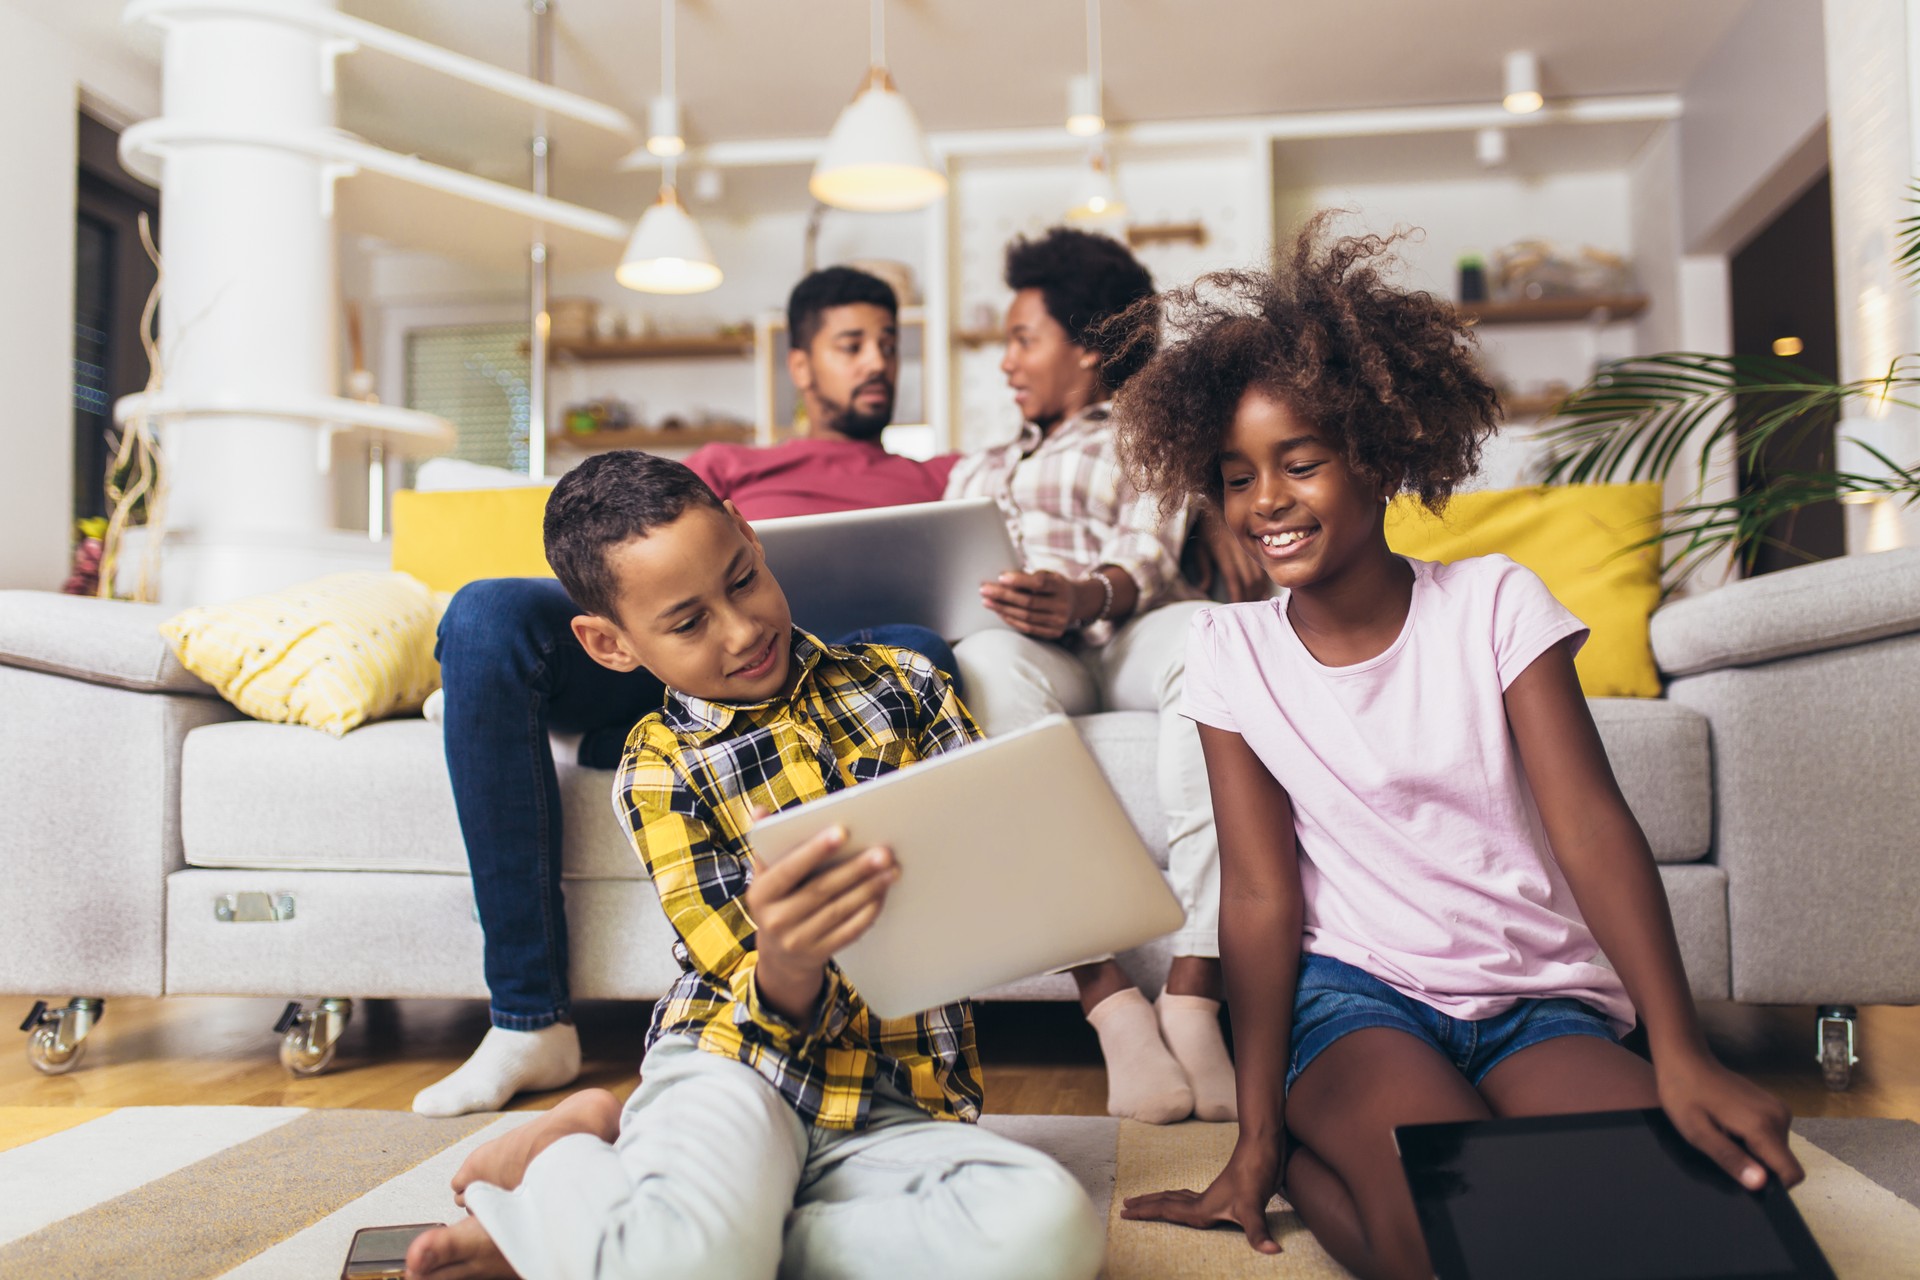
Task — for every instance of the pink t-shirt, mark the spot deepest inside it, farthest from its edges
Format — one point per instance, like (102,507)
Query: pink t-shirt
(1422,857)
(812,476)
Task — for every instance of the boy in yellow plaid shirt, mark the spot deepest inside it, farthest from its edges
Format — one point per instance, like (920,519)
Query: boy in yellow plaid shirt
(780,1127)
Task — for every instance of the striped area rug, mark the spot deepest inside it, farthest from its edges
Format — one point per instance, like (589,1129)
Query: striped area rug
(276,1193)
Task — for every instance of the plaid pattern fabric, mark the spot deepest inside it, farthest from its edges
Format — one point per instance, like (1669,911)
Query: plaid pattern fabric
(687,785)
(1071,510)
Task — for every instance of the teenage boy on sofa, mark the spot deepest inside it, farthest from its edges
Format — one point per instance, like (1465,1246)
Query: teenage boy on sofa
(779,1125)
(513,672)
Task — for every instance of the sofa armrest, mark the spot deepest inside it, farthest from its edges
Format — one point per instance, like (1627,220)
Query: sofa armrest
(108,642)
(1810,609)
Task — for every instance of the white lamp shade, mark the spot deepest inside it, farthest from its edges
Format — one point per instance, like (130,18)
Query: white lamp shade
(1083,108)
(1490,146)
(667,253)
(876,159)
(1097,199)
(1522,96)
(663,127)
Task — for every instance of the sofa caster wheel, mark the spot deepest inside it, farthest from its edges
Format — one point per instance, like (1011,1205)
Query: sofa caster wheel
(1834,1040)
(308,1040)
(57,1038)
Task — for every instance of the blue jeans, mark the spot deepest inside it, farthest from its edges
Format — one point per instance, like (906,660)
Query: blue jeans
(1334,999)
(513,673)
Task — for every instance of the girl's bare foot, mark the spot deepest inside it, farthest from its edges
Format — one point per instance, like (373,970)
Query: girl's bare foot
(463,1251)
(503,1162)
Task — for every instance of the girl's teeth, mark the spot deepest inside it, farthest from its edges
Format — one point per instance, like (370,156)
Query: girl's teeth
(1281,539)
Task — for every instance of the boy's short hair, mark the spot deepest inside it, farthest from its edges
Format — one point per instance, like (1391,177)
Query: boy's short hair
(1085,281)
(818,293)
(607,500)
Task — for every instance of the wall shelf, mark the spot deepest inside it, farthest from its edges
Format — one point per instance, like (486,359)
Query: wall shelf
(693,348)
(1603,308)
(651,438)
(1531,406)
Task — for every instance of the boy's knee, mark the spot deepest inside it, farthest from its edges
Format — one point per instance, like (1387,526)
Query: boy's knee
(1048,1230)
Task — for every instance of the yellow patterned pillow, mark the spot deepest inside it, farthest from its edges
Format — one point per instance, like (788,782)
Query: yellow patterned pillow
(329,654)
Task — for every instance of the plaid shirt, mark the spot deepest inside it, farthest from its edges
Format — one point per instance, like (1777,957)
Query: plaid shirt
(1071,509)
(691,775)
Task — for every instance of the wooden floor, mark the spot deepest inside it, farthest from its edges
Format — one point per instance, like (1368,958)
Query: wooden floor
(1039,1058)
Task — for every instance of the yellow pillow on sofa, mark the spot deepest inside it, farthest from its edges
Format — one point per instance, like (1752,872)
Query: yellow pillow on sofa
(329,654)
(450,539)
(1573,537)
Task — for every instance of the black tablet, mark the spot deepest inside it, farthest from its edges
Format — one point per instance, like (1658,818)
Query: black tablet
(1617,1195)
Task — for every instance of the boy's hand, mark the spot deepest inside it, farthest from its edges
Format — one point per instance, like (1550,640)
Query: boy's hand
(1737,1123)
(1238,1196)
(1042,604)
(803,911)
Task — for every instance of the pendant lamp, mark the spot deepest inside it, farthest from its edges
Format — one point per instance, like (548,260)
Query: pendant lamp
(1098,199)
(1085,119)
(663,114)
(876,159)
(667,253)
(1522,88)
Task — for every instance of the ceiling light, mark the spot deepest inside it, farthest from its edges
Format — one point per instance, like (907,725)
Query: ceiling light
(1490,145)
(1098,199)
(1788,346)
(1523,84)
(876,159)
(663,116)
(667,253)
(1084,116)
(1083,108)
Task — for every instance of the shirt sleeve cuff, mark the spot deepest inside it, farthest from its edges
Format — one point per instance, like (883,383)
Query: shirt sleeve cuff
(824,1023)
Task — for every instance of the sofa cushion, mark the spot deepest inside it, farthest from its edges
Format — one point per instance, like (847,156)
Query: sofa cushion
(278,796)
(1660,755)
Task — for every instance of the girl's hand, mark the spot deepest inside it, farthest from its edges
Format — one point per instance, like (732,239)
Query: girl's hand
(1238,1196)
(1039,604)
(1739,1124)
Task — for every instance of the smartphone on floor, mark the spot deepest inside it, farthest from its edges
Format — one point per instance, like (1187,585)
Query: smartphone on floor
(380,1253)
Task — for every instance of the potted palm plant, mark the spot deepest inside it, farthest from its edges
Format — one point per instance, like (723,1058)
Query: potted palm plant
(1636,417)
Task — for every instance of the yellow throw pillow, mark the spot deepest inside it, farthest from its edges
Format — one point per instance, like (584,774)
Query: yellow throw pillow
(1573,536)
(450,539)
(329,654)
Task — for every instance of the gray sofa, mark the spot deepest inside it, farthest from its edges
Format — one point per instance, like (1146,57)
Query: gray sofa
(155,842)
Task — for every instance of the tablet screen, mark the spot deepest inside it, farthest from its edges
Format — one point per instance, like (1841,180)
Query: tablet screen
(1616,1196)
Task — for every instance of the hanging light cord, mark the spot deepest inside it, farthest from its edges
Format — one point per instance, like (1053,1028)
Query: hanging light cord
(1093,57)
(878,30)
(668,89)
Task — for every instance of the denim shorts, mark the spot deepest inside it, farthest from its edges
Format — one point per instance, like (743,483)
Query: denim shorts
(1334,999)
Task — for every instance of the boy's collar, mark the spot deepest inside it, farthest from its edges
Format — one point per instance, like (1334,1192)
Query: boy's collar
(703,717)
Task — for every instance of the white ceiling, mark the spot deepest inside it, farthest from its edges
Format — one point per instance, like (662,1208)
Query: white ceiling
(754,69)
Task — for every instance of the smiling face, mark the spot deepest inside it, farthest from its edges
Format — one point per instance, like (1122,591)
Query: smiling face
(698,608)
(1292,501)
(1052,377)
(847,374)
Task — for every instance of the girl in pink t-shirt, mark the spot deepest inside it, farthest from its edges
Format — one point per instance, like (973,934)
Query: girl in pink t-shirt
(1423,849)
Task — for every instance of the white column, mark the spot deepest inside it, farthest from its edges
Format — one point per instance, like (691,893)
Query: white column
(249,310)
(1873,129)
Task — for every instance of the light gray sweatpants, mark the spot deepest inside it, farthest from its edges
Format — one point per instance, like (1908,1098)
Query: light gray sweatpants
(714,1175)
(1012,680)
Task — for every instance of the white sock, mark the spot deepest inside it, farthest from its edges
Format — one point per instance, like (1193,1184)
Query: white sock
(1191,1027)
(1144,1082)
(506,1063)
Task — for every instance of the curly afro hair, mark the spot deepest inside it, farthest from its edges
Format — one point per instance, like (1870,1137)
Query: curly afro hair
(1086,280)
(1389,375)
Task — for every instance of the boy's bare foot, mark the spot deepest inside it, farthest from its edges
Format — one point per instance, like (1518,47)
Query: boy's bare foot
(503,1162)
(463,1251)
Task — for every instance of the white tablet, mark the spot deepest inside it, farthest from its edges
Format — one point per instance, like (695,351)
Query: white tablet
(921,563)
(1015,859)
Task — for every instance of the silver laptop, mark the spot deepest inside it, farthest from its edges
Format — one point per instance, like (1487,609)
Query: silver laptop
(1015,859)
(922,563)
